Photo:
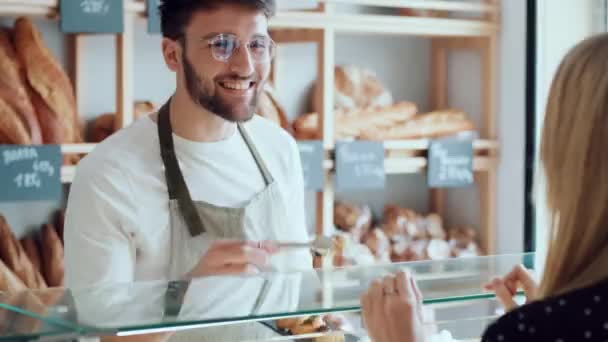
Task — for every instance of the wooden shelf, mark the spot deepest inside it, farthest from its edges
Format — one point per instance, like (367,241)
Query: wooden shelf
(423,144)
(383,24)
(418,164)
(77,148)
(67,174)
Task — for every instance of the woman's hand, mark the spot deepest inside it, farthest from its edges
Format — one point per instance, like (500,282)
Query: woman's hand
(506,287)
(392,310)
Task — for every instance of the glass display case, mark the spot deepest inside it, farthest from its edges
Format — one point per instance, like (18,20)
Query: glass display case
(456,305)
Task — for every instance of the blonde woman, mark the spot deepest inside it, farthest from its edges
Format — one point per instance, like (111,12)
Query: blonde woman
(571,302)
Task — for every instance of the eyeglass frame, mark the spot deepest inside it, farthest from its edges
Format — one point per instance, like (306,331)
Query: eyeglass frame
(209,44)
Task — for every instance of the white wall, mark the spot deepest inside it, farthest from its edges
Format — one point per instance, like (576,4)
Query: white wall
(561,25)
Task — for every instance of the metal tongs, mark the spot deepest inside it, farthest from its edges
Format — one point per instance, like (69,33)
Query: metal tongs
(321,244)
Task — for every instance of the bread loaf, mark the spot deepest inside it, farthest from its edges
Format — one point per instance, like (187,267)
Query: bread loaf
(270,108)
(13,87)
(58,222)
(105,125)
(429,125)
(350,123)
(15,258)
(30,247)
(355,87)
(9,281)
(52,256)
(50,82)
(12,129)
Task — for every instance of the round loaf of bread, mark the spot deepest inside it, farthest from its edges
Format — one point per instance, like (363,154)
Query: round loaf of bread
(355,87)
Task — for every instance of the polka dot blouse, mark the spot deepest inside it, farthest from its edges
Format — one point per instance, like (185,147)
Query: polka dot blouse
(577,316)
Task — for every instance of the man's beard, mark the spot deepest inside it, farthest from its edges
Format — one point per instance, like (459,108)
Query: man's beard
(214,103)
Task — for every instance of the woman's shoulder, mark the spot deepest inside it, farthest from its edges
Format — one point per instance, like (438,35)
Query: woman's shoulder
(580,315)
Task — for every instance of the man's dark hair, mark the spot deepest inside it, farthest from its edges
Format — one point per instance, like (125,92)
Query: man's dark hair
(176,14)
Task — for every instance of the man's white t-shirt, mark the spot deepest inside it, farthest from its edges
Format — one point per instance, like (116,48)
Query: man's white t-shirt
(117,219)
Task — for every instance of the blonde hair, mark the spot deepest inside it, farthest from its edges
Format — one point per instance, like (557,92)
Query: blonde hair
(574,153)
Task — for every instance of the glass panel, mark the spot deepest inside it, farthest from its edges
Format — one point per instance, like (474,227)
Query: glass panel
(149,307)
(18,322)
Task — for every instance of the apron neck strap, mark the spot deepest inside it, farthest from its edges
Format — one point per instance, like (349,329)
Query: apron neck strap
(176,185)
(268,179)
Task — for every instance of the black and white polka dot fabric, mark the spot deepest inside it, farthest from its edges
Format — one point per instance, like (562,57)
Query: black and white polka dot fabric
(577,316)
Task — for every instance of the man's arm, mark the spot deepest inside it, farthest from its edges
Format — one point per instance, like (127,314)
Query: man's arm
(99,220)
(296,211)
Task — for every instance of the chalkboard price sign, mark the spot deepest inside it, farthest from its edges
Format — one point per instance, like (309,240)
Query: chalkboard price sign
(311,154)
(30,173)
(360,165)
(153,16)
(450,163)
(91,16)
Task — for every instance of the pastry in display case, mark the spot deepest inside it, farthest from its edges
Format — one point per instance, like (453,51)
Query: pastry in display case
(318,306)
(401,235)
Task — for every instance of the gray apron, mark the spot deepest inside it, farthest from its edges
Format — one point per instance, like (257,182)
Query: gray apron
(194,226)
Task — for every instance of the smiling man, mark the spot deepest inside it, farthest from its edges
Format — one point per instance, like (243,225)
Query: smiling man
(204,186)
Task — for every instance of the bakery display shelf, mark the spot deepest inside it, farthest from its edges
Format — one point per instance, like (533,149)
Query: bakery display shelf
(140,307)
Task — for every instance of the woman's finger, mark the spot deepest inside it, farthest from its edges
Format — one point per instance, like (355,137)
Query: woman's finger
(388,285)
(404,285)
(504,295)
(377,297)
(527,282)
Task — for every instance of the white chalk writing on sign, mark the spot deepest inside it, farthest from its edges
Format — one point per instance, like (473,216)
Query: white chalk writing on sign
(101,7)
(356,157)
(19,154)
(28,180)
(452,167)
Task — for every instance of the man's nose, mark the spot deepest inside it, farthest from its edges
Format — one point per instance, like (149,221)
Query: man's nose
(241,62)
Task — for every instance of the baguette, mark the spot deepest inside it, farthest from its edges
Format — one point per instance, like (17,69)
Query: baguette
(9,282)
(30,247)
(52,256)
(13,87)
(15,258)
(430,125)
(50,82)
(270,108)
(12,129)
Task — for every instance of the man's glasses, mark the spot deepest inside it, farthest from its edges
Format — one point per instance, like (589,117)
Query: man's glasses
(224,46)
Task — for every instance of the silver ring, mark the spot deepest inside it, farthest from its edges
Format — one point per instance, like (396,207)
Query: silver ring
(389,292)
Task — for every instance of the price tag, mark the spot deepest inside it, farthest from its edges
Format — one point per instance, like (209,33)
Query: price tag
(153,16)
(450,163)
(360,165)
(91,16)
(311,154)
(30,173)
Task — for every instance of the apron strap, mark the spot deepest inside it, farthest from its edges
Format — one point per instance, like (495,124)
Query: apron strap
(176,185)
(268,179)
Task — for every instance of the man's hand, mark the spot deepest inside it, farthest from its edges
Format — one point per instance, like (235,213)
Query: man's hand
(506,287)
(234,257)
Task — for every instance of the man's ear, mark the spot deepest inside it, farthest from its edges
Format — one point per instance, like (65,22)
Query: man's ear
(171,51)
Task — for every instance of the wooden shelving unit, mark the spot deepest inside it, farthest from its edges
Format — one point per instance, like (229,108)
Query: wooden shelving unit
(450,29)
